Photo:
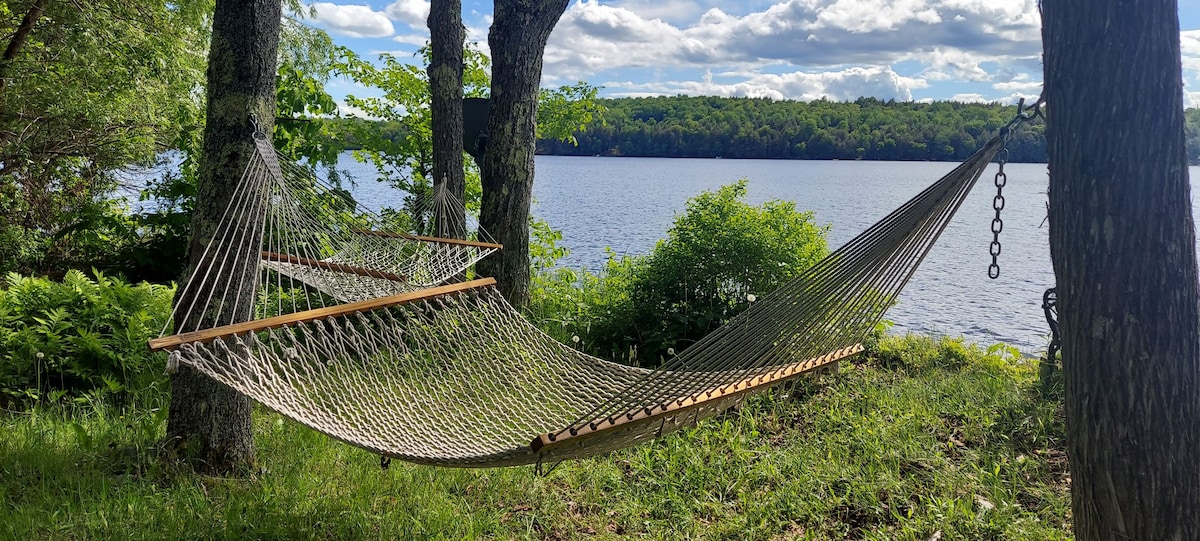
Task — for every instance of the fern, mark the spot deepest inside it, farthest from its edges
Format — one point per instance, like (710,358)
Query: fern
(83,334)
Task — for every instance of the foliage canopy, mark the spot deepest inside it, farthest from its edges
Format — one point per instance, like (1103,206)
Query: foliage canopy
(87,91)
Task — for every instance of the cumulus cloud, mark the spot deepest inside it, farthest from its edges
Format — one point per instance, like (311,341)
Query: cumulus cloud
(668,10)
(347,110)
(954,64)
(412,39)
(356,21)
(840,85)
(971,97)
(1191,99)
(414,13)
(859,16)
(1024,87)
(1190,47)
(807,33)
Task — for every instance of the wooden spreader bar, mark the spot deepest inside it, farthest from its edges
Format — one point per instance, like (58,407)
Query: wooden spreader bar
(601,427)
(336,267)
(208,335)
(390,234)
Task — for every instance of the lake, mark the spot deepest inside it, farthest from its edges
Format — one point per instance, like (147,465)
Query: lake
(627,204)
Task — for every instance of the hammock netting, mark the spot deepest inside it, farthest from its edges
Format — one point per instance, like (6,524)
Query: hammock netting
(289,242)
(455,376)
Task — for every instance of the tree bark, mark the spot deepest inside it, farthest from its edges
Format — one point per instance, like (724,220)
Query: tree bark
(446,87)
(208,420)
(20,37)
(1123,244)
(517,39)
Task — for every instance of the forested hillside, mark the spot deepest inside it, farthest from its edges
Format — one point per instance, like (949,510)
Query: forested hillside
(869,129)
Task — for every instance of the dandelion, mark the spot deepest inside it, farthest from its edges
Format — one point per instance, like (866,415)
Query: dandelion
(40,355)
(670,351)
(751,297)
(575,339)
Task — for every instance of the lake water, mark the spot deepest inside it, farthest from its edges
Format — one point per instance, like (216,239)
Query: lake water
(627,204)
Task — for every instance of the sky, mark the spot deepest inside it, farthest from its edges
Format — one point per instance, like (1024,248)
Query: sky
(919,50)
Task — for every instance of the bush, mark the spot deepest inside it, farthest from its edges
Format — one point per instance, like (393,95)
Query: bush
(719,255)
(78,335)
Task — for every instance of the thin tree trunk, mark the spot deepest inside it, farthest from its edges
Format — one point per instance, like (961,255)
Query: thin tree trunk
(1123,244)
(445,80)
(19,38)
(517,39)
(210,421)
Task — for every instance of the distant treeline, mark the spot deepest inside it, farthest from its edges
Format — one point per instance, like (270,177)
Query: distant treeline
(868,128)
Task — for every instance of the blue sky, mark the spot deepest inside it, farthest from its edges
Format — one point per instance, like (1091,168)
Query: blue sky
(971,50)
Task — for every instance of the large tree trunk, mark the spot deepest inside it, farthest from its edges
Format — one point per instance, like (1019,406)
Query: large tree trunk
(208,420)
(1123,243)
(445,81)
(517,38)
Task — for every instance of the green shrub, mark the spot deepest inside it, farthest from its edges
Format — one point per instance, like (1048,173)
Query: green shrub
(77,335)
(719,254)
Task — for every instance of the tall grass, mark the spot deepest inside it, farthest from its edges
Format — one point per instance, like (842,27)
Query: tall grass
(921,437)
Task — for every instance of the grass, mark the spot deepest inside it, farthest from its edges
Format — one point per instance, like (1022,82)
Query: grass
(921,437)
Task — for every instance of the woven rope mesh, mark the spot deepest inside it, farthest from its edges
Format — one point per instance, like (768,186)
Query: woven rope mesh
(462,379)
(294,243)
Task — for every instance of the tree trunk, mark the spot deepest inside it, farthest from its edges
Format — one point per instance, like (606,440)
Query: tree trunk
(446,36)
(517,38)
(208,420)
(20,37)
(1123,244)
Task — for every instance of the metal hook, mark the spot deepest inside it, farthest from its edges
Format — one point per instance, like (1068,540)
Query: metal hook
(540,471)
(258,132)
(1033,111)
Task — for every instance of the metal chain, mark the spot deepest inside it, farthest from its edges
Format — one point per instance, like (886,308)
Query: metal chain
(1050,307)
(997,222)
(1025,113)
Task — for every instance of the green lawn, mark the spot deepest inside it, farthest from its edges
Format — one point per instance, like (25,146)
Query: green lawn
(918,438)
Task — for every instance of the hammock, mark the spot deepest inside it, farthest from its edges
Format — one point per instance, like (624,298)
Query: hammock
(453,375)
(289,242)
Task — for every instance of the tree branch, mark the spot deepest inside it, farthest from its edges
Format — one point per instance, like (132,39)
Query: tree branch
(19,38)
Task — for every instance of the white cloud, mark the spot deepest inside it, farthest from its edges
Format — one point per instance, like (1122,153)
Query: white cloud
(859,16)
(1191,99)
(1190,44)
(352,111)
(842,85)
(412,39)
(970,98)
(1024,88)
(1015,97)
(397,53)
(667,10)
(952,38)
(414,13)
(953,64)
(356,21)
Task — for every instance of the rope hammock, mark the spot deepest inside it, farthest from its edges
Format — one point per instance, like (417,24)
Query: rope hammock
(289,242)
(453,375)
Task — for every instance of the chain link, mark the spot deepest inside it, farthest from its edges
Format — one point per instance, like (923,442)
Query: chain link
(997,222)
(1024,114)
